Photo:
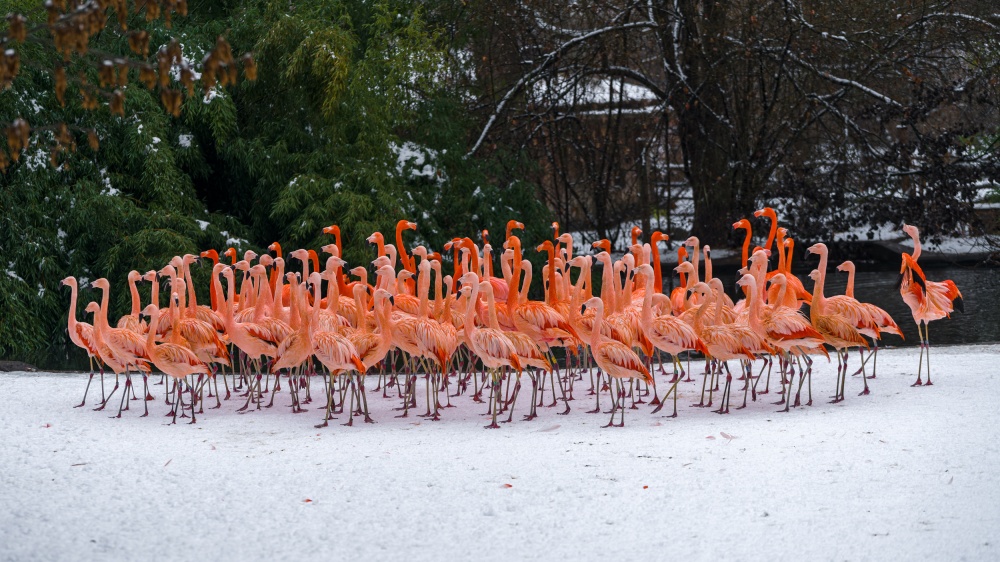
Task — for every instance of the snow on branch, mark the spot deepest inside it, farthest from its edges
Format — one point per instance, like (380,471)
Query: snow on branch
(547,61)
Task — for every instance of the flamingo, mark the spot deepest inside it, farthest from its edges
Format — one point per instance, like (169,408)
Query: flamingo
(614,358)
(724,341)
(785,328)
(175,360)
(254,340)
(491,345)
(928,300)
(82,335)
(120,349)
(667,332)
(883,321)
(837,330)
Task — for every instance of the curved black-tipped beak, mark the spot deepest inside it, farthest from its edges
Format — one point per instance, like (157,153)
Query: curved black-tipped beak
(392,301)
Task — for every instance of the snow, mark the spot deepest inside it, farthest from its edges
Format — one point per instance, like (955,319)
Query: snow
(416,160)
(184,141)
(203,225)
(905,473)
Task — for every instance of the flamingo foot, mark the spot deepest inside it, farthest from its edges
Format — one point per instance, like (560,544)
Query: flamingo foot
(322,425)
(928,383)
(864,392)
(493,425)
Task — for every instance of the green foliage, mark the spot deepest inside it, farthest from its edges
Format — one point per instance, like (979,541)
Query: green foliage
(352,121)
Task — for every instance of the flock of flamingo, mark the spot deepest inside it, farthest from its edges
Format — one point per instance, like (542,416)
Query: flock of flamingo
(483,331)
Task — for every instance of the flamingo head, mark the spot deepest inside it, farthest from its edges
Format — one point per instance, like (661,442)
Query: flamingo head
(101,283)
(375,238)
(406,225)
(657,237)
(230,253)
(381,262)
(594,302)
(148,311)
(358,271)
(685,267)
(266,260)
(911,230)
(299,254)
(92,307)
(814,275)
(759,256)
(420,251)
(150,275)
(188,259)
(565,238)
(134,276)
(485,236)
(69,281)
(334,262)
(636,232)
(645,269)
(702,289)
(332,229)
(746,280)
(274,247)
(210,254)
(846,266)
(242,265)
(546,246)
(819,248)
(249,255)
(708,251)
(742,223)
(766,212)
(692,241)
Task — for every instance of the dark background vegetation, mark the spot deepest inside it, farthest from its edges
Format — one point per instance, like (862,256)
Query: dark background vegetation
(462,115)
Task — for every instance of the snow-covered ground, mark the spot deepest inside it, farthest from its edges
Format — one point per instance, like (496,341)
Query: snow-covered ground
(902,474)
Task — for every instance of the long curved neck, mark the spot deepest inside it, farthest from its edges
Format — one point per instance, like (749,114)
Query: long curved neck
(217,289)
(423,287)
(708,265)
(227,318)
(523,296)
(608,283)
(647,303)
(746,246)
(404,258)
(719,303)
(850,283)
(154,320)
(916,246)
(515,275)
(491,307)
(781,252)
(192,298)
(438,288)
(818,299)
(135,297)
(772,232)
(550,294)
(470,311)
(654,256)
(682,275)
(72,307)
(755,305)
(595,333)
(788,255)
(103,313)
(314,322)
(694,261)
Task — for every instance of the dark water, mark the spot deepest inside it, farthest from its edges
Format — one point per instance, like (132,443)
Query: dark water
(980,288)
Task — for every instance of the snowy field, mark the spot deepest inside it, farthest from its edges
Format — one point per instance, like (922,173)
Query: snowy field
(905,473)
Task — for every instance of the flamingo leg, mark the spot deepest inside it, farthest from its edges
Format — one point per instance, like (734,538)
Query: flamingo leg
(920,365)
(927,343)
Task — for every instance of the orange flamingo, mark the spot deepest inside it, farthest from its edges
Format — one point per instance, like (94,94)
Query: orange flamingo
(120,349)
(491,345)
(839,332)
(616,359)
(928,300)
(883,321)
(668,333)
(82,335)
(175,360)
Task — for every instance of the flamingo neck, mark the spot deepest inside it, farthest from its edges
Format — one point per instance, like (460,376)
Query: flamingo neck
(746,246)
(849,291)
(135,297)
(654,257)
